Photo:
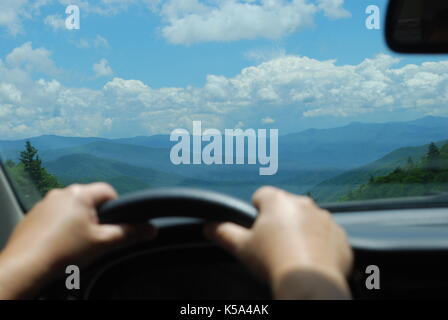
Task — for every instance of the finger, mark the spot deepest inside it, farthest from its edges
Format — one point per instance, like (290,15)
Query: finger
(98,193)
(269,199)
(127,233)
(228,235)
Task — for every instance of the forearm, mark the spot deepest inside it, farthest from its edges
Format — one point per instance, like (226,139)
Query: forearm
(19,279)
(310,285)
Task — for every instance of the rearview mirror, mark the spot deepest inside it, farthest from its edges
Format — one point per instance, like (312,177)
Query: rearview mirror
(417,26)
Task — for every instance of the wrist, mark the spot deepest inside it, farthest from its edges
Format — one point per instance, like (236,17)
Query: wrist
(309,282)
(21,278)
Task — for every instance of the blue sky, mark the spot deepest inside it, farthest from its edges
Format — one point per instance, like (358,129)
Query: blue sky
(140,67)
(138,50)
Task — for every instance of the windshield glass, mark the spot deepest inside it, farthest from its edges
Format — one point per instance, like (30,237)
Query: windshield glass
(224,95)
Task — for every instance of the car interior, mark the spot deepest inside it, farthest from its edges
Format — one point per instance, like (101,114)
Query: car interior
(406,237)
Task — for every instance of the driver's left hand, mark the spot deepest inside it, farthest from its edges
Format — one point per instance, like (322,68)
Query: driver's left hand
(61,229)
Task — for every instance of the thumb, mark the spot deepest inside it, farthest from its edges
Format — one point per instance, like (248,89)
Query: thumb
(228,235)
(127,233)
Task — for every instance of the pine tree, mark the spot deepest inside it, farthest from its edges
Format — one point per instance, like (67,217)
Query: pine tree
(397,170)
(32,164)
(433,152)
(433,157)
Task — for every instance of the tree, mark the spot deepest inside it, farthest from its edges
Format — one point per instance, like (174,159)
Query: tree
(410,163)
(433,157)
(32,165)
(420,177)
(433,152)
(444,148)
(397,170)
(31,162)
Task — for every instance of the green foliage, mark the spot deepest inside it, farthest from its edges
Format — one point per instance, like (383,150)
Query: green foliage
(335,188)
(433,152)
(29,178)
(32,165)
(444,150)
(428,176)
(31,161)
(433,160)
(410,163)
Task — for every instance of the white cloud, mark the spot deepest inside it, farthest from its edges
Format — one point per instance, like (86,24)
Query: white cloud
(193,21)
(277,92)
(97,42)
(333,8)
(12,12)
(230,20)
(56,21)
(267,120)
(264,54)
(100,42)
(83,43)
(10,93)
(102,68)
(104,7)
(30,59)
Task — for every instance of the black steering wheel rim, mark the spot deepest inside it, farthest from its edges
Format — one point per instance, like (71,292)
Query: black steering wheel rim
(139,207)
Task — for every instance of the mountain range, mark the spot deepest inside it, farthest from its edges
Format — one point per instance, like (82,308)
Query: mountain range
(326,162)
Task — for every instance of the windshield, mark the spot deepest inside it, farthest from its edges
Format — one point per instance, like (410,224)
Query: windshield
(224,95)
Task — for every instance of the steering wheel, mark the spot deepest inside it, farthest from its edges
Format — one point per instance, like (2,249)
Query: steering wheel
(128,266)
(139,207)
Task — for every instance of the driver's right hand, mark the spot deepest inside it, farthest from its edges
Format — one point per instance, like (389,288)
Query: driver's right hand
(294,245)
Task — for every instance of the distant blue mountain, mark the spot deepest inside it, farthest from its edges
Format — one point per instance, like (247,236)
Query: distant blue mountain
(156,141)
(305,158)
(430,121)
(360,143)
(343,147)
(9,149)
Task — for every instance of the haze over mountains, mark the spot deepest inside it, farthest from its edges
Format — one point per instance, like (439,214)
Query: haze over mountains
(333,189)
(308,160)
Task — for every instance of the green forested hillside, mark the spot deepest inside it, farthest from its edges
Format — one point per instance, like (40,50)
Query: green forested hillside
(85,168)
(29,178)
(334,189)
(427,176)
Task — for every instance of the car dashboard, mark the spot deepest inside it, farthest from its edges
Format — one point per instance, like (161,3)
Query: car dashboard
(409,247)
